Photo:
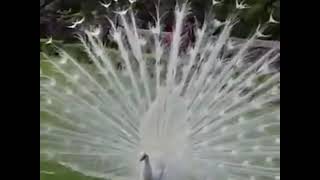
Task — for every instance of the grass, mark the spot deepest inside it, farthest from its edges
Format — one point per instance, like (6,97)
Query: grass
(60,172)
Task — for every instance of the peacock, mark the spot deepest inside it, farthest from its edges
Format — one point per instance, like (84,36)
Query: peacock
(210,112)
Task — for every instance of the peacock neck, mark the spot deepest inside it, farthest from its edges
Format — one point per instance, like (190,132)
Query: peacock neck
(147,170)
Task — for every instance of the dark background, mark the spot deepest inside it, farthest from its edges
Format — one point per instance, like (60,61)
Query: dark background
(56,15)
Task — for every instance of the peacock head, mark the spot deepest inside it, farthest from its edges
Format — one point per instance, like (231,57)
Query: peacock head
(144,156)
